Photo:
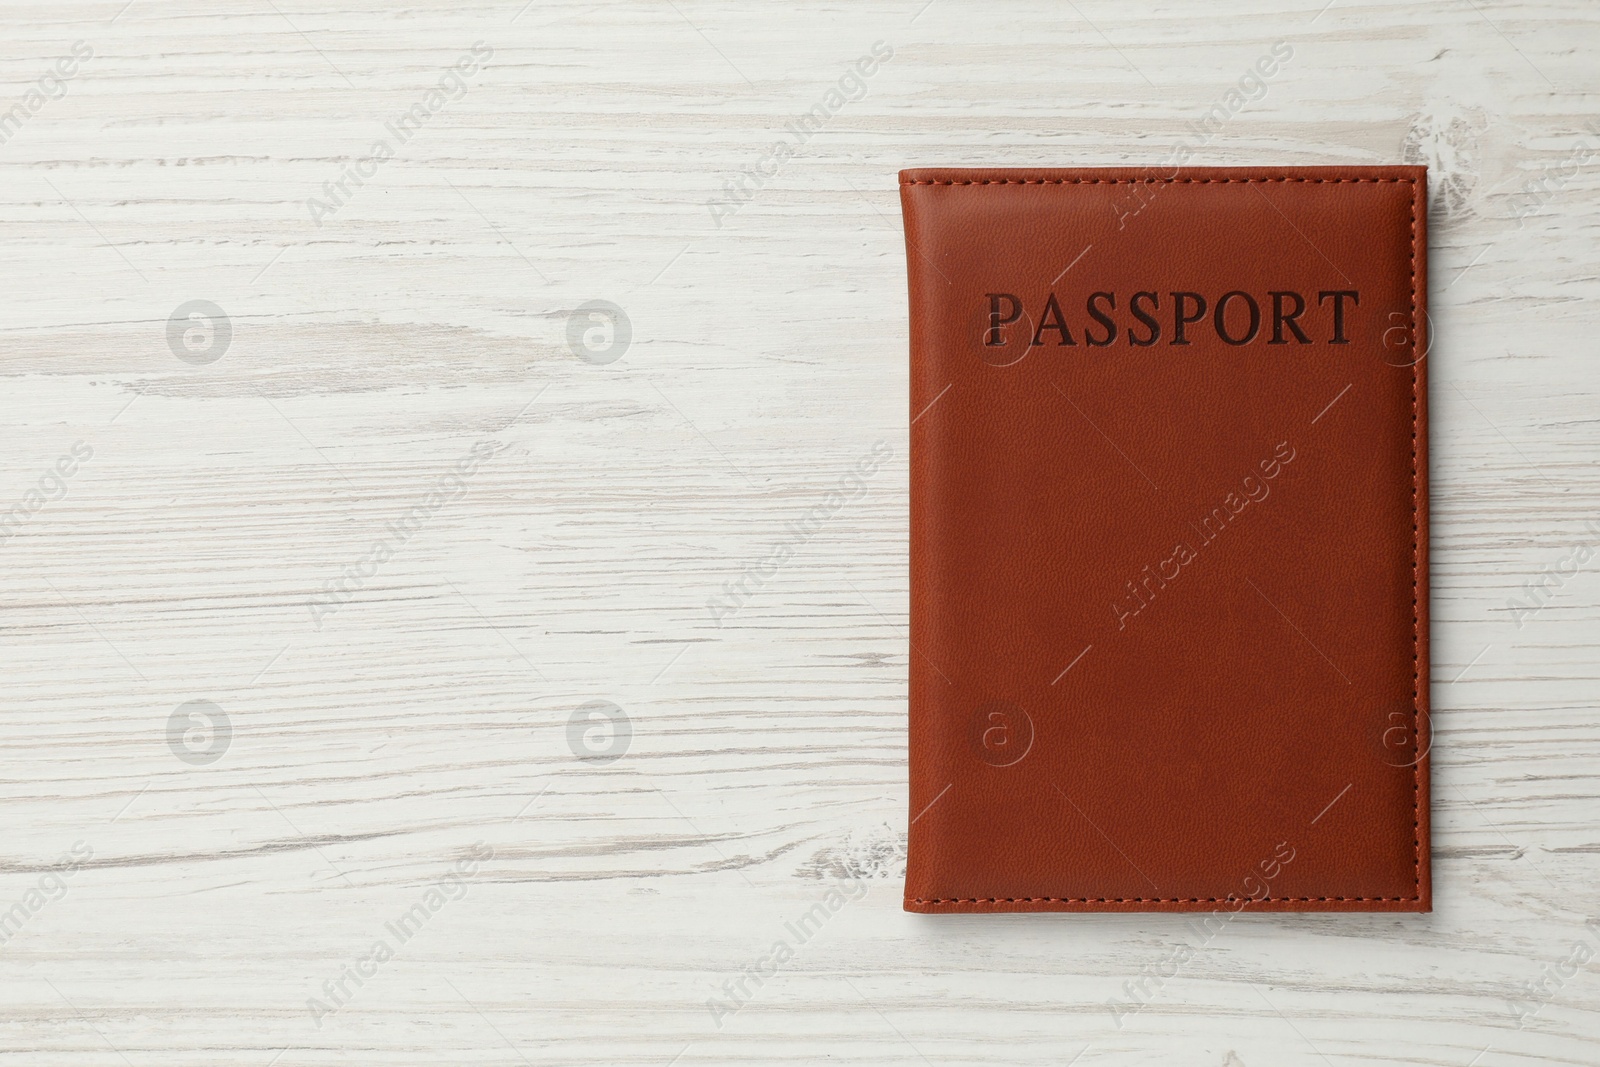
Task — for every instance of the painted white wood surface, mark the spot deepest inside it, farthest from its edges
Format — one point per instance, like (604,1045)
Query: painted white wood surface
(428,715)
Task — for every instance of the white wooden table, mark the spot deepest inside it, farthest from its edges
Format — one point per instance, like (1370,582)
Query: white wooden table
(395,530)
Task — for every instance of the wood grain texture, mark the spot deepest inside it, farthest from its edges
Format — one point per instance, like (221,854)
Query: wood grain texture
(373,750)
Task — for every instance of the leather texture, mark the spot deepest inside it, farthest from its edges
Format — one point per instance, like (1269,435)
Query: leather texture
(1169,563)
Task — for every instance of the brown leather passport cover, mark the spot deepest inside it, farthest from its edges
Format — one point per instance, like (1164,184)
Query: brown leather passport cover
(1169,540)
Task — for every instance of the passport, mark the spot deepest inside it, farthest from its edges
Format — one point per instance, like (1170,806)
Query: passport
(1169,539)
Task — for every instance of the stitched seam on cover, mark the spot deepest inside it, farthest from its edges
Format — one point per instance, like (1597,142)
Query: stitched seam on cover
(1416,560)
(1416,572)
(1138,900)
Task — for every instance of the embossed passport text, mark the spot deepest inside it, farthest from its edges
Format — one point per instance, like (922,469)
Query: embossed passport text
(1169,540)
